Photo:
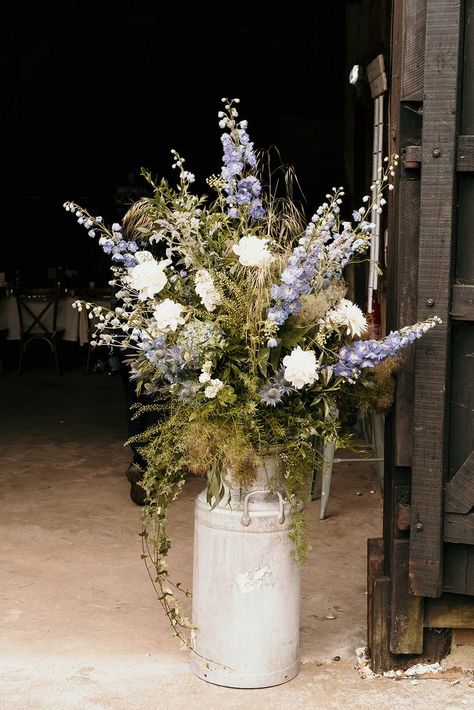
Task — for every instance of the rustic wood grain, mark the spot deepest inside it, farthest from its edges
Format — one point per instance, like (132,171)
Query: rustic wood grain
(465,241)
(450,611)
(407,270)
(459,528)
(459,568)
(434,273)
(406,630)
(414,20)
(467,118)
(375,563)
(465,153)
(455,567)
(381,658)
(462,307)
(459,494)
(461,430)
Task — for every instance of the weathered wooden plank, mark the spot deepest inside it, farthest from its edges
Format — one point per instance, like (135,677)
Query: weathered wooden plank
(455,568)
(465,227)
(450,611)
(467,115)
(461,429)
(407,268)
(412,157)
(459,494)
(381,658)
(459,528)
(414,20)
(378,86)
(375,561)
(406,632)
(434,271)
(465,153)
(375,68)
(462,307)
(470,571)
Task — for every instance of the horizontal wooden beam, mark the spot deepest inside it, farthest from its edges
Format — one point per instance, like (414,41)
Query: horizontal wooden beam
(451,611)
(465,154)
(459,528)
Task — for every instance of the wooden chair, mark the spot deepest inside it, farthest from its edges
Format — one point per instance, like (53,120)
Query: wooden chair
(37,312)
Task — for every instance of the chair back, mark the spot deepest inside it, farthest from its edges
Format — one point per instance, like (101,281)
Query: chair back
(37,312)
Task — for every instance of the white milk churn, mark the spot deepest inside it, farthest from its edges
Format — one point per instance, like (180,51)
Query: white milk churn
(246,587)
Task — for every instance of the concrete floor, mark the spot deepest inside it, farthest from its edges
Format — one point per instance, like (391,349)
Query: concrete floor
(80,625)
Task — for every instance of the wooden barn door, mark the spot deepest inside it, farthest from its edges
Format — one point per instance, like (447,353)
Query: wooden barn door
(440,359)
(458,531)
(421,575)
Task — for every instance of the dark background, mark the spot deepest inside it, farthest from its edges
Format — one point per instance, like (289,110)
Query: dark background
(95,90)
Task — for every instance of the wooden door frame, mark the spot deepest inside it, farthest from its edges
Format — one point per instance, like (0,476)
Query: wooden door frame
(405,569)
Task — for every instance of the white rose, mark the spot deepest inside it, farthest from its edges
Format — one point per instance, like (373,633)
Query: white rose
(301,367)
(148,276)
(348,315)
(204,377)
(206,290)
(168,315)
(253,251)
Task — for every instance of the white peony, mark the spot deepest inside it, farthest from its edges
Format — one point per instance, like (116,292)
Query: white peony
(253,251)
(206,290)
(168,315)
(301,367)
(347,315)
(148,276)
(213,388)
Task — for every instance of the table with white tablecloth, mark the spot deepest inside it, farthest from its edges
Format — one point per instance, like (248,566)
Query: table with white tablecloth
(74,323)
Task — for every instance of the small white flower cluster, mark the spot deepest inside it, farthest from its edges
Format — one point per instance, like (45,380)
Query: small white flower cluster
(185,175)
(391,169)
(224,120)
(205,375)
(206,290)
(213,388)
(82,218)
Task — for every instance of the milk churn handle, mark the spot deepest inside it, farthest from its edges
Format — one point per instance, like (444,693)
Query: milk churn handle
(246,516)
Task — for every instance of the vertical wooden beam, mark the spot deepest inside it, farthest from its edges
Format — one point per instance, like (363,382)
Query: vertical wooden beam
(414,20)
(441,76)
(381,658)
(406,634)
(374,570)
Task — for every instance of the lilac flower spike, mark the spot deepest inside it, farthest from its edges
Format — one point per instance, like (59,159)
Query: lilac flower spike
(239,156)
(370,353)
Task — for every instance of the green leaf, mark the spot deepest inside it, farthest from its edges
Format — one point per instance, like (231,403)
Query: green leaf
(292,335)
(275,357)
(227,395)
(262,360)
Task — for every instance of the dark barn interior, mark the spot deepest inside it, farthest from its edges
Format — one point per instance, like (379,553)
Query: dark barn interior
(95,91)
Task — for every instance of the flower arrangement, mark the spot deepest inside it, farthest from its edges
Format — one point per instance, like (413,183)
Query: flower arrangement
(233,316)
